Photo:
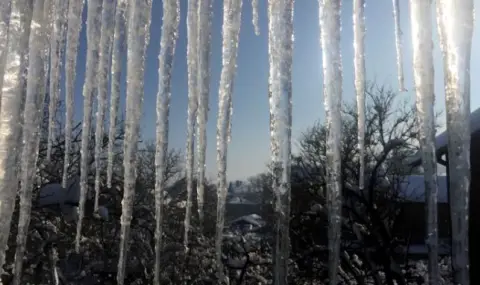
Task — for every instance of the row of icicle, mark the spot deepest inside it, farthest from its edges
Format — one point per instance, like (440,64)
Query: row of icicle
(33,36)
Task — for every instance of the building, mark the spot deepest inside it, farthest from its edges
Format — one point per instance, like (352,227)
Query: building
(474,212)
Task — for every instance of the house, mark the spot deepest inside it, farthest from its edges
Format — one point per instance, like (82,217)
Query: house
(246,224)
(474,210)
(412,219)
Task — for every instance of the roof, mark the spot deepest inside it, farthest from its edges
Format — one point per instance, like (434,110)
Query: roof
(240,200)
(413,188)
(252,219)
(441,141)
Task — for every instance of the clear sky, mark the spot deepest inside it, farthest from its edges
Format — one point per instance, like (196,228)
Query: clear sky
(249,148)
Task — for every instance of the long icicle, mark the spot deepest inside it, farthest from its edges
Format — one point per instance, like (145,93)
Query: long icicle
(32,118)
(256,27)
(232,12)
(75,10)
(204,16)
(455,25)
(398,44)
(108,24)
(171,18)
(94,13)
(280,45)
(57,50)
(5,9)
(330,26)
(138,34)
(359,66)
(12,93)
(192,62)
(117,52)
(423,72)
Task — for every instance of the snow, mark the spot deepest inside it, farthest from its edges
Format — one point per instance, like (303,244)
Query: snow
(240,200)
(441,141)
(55,194)
(413,188)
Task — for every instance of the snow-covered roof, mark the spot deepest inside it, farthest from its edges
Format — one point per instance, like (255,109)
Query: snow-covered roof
(240,188)
(413,188)
(441,141)
(54,193)
(240,200)
(253,219)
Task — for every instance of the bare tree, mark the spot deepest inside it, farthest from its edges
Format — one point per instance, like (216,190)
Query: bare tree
(370,218)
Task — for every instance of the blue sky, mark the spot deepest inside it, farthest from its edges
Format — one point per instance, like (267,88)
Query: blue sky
(249,148)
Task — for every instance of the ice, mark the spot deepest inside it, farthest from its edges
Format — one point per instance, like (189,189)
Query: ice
(255,17)
(171,18)
(33,114)
(421,29)
(280,45)
(192,62)
(60,10)
(204,24)
(75,9)
(398,44)
(330,27)
(359,66)
(232,10)
(94,13)
(108,24)
(138,30)
(5,9)
(116,69)
(12,91)
(455,25)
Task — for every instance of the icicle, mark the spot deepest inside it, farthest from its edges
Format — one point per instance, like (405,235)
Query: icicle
(32,118)
(455,26)
(232,10)
(229,130)
(118,48)
(205,11)
(330,27)
(280,45)
(12,97)
(171,17)
(138,31)
(192,61)
(94,13)
(398,44)
(75,10)
(359,65)
(5,9)
(255,17)
(57,50)
(421,23)
(108,14)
